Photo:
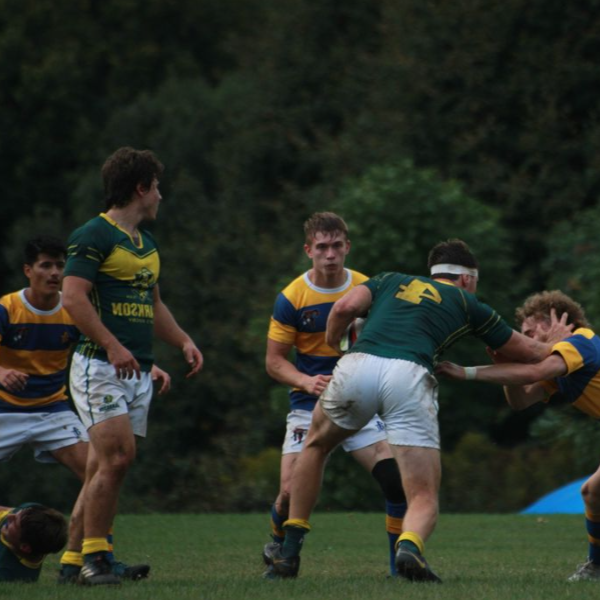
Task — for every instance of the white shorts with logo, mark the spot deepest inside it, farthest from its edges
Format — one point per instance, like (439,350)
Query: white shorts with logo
(403,393)
(43,431)
(298,422)
(100,395)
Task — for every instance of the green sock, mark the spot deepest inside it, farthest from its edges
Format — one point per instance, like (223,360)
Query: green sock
(294,538)
(408,545)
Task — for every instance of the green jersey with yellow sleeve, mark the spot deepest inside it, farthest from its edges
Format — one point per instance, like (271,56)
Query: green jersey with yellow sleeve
(124,272)
(417,318)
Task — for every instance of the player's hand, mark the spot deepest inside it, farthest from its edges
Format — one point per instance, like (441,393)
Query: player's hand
(558,330)
(162,378)
(450,370)
(193,357)
(316,384)
(13,381)
(123,361)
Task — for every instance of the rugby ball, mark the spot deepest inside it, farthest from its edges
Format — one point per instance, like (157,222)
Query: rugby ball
(351,334)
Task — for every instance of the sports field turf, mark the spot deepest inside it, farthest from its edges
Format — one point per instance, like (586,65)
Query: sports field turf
(208,557)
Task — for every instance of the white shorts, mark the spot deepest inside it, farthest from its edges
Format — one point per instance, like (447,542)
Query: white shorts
(44,431)
(403,393)
(100,395)
(298,422)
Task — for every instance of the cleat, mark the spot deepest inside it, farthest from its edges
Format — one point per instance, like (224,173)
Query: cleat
(588,571)
(98,572)
(268,551)
(414,567)
(281,567)
(131,572)
(68,574)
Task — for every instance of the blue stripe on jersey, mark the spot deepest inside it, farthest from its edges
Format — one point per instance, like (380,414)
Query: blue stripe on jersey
(4,320)
(312,365)
(38,336)
(40,386)
(306,319)
(54,407)
(572,386)
(315,365)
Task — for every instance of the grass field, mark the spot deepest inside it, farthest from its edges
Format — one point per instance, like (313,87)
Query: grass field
(217,557)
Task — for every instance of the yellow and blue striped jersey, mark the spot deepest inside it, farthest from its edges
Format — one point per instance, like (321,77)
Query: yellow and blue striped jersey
(581,385)
(38,343)
(123,274)
(300,320)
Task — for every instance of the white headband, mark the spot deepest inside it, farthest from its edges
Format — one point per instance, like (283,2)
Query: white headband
(454,270)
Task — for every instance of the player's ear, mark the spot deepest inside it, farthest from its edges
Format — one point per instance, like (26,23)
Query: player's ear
(27,270)
(25,548)
(308,250)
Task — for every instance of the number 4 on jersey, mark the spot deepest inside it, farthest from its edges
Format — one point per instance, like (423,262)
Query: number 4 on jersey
(417,291)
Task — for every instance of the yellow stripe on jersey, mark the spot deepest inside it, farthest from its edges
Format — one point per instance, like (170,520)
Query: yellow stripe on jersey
(570,354)
(284,334)
(29,402)
(125,264)
(34,362)
(314,344)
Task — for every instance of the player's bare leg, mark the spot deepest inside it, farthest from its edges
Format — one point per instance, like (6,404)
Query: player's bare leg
(323,436)
(590,569)
(421,475)
(113,445)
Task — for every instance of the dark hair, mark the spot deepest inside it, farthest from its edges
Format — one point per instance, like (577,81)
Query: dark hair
(452,252)
(43,244)
(124,170)
(327,222)
(540,305)
(43,529)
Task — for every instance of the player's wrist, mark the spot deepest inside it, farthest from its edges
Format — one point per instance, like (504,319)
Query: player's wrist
(470,373)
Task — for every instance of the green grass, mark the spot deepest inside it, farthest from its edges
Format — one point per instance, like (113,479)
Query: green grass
(217,557)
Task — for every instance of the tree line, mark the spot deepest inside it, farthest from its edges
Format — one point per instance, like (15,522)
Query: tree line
(415,120)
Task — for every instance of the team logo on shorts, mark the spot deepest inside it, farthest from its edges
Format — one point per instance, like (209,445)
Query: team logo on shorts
(108,404)
(299,434)
(309,318)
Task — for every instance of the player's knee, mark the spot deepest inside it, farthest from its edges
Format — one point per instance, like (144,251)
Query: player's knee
(591,497)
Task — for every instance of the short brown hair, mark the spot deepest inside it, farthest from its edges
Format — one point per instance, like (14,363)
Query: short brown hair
(124,170)
(539,306)
(43,529)
(326,222)
(452,252)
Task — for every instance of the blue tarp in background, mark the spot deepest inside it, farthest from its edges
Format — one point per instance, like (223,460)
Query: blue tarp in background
(566,499)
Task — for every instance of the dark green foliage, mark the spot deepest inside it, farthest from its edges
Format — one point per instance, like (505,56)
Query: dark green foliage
(416,120)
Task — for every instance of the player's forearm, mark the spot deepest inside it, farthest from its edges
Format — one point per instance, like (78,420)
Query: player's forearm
(509,374)
(519,397)
(166,327)
(284,372)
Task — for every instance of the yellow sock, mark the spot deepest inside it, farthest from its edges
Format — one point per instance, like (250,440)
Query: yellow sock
(91,545)
(303,523)
(413,537)
(71,557)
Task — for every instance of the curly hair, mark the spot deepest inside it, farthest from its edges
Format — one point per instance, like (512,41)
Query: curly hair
(539,306)
(124,170)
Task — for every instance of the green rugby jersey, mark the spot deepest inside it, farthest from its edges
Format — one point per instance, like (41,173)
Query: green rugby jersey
(12,567)
(416,319)
(124,275)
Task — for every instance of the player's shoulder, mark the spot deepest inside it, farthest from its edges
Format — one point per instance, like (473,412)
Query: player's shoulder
(357,277)
(297,286)
(10,299)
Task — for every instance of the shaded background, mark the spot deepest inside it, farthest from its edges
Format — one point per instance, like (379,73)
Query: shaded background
(416,120)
